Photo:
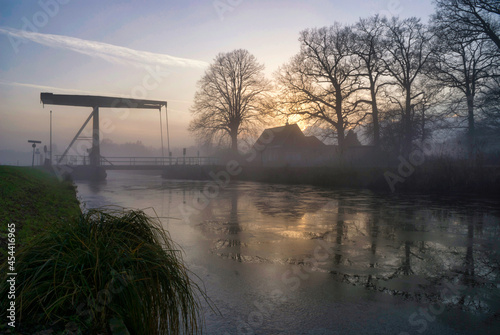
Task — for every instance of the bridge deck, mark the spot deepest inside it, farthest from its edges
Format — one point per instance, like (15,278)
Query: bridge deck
(139,163)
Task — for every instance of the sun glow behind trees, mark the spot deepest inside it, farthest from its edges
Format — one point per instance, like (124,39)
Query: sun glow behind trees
(393,80)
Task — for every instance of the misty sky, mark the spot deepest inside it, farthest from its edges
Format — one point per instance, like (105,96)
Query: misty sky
(155,49)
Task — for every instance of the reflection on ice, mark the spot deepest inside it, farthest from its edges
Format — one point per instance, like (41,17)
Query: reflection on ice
(387,256)
(410,248)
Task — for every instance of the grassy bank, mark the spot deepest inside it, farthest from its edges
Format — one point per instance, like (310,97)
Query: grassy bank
(33,199)
(99,272)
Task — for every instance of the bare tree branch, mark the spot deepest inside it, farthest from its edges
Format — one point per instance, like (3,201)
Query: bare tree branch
(228,102)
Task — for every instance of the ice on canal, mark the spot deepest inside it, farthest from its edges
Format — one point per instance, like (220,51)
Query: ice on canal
(282,259)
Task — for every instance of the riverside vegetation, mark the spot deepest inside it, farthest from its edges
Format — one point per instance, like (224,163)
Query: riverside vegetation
(99,272)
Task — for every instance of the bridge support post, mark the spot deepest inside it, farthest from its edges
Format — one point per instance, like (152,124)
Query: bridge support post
(95,151)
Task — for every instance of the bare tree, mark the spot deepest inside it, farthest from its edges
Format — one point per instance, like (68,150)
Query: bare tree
(368,47)
(490,108)
(408,48)
(319,84)
(476,17)
(464,63)
(228,101)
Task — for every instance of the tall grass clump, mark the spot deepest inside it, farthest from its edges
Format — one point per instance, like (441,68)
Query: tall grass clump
(107,265)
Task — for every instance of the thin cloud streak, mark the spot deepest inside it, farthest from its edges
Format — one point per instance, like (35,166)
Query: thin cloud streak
(56,89)
(111,53)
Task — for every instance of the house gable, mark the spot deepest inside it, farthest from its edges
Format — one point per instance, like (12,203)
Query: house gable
(286,145)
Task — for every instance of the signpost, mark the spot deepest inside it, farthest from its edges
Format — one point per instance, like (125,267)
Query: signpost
(34,146)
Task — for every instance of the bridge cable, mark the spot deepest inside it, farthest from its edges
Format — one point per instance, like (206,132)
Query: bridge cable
(168,135)
(161,134)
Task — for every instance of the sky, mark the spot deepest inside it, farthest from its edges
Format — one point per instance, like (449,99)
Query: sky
(144,49)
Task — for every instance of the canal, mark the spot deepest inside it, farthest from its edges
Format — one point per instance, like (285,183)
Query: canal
(286,259)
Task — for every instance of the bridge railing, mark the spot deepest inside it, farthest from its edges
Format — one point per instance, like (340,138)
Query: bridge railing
(72,160)
(138,161)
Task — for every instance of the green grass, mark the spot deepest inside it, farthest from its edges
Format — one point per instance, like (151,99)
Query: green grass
(33,200)
(106,265)
(91,273)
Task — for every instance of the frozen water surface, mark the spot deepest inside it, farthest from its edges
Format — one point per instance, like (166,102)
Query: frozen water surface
(282,259)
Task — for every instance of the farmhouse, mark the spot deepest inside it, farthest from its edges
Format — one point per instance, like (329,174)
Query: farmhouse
(288,146)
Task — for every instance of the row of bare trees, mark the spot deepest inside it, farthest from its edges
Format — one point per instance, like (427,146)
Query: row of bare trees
(345,76)
(395,79)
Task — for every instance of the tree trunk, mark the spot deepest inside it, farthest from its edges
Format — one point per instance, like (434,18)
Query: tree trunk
(340,119)
(471,129)
(376,126)
(234,140)
(340,137)
(407,135)
(422,125)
